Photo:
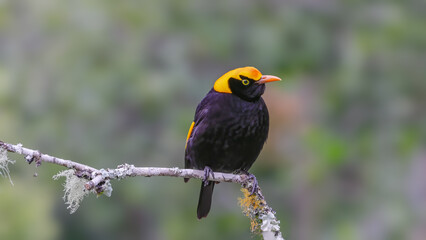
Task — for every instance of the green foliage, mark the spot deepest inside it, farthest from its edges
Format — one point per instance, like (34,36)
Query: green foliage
(33,219)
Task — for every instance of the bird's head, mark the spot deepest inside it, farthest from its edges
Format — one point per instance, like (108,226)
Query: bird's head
(246,82)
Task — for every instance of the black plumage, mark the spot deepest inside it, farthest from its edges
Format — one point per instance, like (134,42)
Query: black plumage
(229,132)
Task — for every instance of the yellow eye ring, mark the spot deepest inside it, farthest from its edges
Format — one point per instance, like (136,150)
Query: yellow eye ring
(245,82)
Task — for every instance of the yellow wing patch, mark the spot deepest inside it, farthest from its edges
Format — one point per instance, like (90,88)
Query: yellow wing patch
(221,84)
(189,133)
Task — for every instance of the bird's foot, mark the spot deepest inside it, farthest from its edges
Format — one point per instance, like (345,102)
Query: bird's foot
(207,172)
(255,184)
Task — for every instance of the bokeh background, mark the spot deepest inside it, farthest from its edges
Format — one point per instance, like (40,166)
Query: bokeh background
(112,82)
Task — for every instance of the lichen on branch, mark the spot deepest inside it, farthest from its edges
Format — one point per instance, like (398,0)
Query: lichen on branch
(74,190)
(262,217)
(4,164)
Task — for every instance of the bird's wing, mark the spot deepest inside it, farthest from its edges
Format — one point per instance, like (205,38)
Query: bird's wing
(196,128)
(189,133)
(208,116)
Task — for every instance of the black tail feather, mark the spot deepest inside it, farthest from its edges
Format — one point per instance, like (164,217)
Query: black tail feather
(205,200)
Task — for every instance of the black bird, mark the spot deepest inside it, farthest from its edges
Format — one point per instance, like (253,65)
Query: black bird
(229,129)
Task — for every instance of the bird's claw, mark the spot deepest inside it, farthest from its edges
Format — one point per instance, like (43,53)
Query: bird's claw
(255,184)
(207,172)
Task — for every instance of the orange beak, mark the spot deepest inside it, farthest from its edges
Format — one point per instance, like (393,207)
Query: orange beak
(268,78)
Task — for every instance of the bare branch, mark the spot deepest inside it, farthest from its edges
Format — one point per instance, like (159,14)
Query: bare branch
(98,180)
(31,155)
(127,170)
(122,171)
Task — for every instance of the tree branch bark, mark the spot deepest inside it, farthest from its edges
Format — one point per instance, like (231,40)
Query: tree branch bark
(254,206)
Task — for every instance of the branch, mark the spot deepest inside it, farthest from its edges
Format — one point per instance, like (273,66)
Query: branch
(82,177)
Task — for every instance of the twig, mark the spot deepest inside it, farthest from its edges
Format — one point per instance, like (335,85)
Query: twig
(98,181)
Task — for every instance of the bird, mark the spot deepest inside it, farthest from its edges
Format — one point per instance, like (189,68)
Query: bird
(230,127)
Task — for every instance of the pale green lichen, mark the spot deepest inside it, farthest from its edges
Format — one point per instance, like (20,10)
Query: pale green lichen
(105,189)
(108,189)
(74,189)
(4,164)
(271,224)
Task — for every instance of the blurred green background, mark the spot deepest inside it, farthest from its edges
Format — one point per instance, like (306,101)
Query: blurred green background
(112,82)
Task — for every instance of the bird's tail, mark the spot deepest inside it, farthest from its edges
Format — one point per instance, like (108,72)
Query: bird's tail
(205,200)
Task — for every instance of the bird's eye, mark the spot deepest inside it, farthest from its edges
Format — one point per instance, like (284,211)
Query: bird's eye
(245,82)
